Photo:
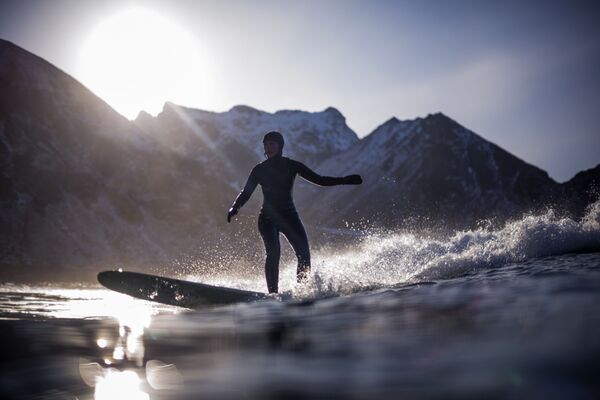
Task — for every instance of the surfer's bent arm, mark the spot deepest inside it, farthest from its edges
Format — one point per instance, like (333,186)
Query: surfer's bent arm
(320,180)
(245,194)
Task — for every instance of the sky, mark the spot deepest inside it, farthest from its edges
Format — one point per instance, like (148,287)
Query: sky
(522,74)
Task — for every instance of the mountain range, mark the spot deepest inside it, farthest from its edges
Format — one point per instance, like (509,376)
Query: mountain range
(84,189)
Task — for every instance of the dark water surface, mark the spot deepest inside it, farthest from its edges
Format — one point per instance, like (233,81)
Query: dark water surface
(509,314)
(523,330)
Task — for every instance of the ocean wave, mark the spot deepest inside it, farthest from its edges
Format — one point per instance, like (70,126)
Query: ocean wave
(388,260)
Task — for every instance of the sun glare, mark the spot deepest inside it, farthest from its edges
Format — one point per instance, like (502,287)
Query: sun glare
(137,60)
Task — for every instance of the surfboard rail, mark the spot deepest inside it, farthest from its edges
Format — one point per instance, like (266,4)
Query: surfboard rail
(175,292)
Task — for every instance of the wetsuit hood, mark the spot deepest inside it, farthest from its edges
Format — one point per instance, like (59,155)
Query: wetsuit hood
(276,137)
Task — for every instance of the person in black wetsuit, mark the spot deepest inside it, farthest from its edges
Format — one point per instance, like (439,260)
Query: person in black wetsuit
(278,214)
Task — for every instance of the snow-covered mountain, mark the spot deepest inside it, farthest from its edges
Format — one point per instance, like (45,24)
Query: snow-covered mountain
(234,137)
(83,189)
(431,169)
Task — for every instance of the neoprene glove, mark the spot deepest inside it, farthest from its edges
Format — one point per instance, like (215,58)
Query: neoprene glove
(353,180)
(232,211)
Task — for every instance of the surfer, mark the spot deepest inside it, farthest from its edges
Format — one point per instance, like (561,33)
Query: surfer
(278,214)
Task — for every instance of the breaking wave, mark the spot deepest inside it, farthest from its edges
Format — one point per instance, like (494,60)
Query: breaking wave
(393,259)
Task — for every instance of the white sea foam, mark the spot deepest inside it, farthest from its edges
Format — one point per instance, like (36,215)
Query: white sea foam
(392,259)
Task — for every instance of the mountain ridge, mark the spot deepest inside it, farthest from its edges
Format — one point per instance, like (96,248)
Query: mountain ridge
(83,188)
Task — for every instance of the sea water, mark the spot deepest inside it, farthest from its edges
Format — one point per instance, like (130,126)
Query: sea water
(504,313)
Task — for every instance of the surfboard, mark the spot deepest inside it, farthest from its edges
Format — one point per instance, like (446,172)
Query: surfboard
(174,292)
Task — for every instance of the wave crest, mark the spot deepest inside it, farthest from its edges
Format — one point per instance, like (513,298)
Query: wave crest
(387,260)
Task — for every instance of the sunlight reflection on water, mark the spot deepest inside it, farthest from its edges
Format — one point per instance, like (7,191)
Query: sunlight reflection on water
(120,371)
(134,317)
(48,302)
(119,385)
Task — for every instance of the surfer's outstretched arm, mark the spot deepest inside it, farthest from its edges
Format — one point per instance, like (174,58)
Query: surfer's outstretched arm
(244,195)
(320,180)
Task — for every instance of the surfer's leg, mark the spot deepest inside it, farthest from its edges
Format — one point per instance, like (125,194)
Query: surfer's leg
(270,236)
(296,234)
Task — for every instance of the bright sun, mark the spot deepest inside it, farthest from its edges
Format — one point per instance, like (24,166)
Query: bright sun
(137,60)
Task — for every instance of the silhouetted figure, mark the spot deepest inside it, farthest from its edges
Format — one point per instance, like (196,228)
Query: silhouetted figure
(278,214)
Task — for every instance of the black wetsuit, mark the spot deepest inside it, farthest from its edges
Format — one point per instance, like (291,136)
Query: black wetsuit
(278,214)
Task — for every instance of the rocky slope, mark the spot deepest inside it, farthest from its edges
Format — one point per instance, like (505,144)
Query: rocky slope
(432,171)
(582,190)
(82,187)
